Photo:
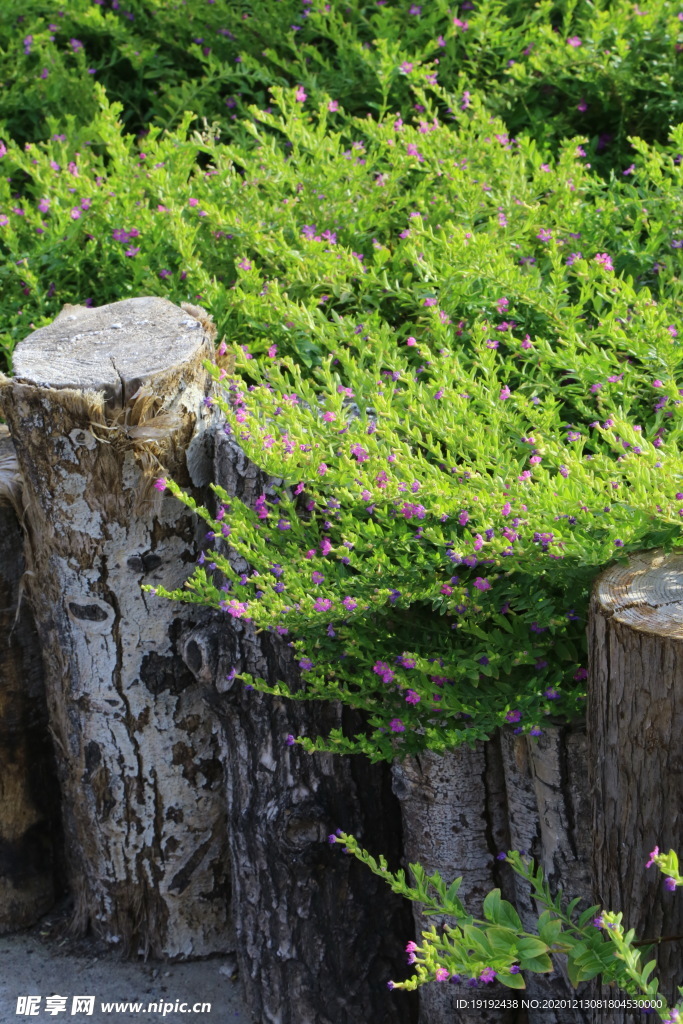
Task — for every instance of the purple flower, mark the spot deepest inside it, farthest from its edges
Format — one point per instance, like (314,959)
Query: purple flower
(487,975)
(396,725)
(300,96)
(322,604)
(574,41)
(305,664)
(513,716)
(482,584)
(317,577)
(670,883)
(349,603)
(412,697)
(653,855)
(235,608)
(290,741)
(384,671)
(160,484)
(604,259)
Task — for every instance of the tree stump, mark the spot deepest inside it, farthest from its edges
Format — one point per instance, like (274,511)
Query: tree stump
(28,791)
(635,725)
(548,812)
(103,402)
(454,822)
(318,935)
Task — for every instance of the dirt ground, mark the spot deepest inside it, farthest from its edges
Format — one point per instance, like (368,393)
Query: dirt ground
(44,961)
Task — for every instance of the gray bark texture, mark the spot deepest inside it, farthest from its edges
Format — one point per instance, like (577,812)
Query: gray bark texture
(462,808)
(318,935)
(103,402)
(548,813)
(454,822)
(635,724)
(29,795)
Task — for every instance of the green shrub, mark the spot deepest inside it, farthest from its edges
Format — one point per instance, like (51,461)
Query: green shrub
(476,951)
(478,418)
(604,70)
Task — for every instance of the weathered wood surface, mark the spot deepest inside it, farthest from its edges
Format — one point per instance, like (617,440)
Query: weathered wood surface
(635,725)
(29,795)
(105,401)
(454,822)
(461,809)
(548,814)
(318,936)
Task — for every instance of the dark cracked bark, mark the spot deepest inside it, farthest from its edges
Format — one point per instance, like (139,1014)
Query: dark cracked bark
(318,935)
(104,401)
(29,796)
(635,724)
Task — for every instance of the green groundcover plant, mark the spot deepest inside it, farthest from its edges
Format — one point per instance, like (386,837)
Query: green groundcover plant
(470,416)
(473,952)
(602,69)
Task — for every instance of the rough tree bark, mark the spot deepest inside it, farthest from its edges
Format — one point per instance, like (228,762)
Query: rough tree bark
(548,812)
(318,935)
(635,724)
(28,791)
(103,402)
(454,822)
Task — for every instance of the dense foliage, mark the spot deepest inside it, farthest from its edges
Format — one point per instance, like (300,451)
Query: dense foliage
(494,420)
(442,247)
(482,358)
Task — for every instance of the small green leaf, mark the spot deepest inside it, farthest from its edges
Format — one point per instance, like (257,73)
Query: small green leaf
(537,964)
(530,947)
(512,980)
(508,916)
(492,906)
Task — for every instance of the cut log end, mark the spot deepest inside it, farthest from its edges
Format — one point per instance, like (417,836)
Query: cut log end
(646,594)
(114,348)
(635,721)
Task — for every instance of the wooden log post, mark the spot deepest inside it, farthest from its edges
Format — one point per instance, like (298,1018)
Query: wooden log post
(454,822)
(548,811)
(635,725)
(29,797)
(318,935)
(105,401)
(462,808)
